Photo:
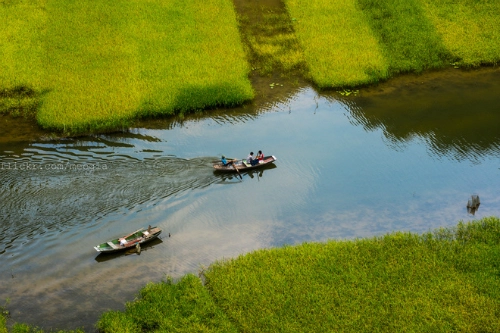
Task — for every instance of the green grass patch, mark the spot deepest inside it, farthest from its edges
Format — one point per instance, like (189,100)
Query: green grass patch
(22,52)
(339,46)
(3,323)
(447,280)
(468,29)
(440,282)
(105,63)
(357,42)
(270,40)
(409,40)
(19,101)
(185,306)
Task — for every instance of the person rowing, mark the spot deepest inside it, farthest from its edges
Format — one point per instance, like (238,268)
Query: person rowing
(226,163)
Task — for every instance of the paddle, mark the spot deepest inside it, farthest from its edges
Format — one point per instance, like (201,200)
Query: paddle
(238,171)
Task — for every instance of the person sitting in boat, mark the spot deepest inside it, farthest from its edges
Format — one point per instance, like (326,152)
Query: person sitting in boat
(260,156)
(123,242)
(251,160)
(225,161)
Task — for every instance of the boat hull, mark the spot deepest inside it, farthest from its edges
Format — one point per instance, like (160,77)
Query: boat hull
(138,237)
(241,165)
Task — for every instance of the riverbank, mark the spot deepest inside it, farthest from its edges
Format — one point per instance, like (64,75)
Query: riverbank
(100,65)
(444,280)
(119,70)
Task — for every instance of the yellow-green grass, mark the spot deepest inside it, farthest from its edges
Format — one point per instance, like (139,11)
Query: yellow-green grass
(446,280)
(339,46)
(22,55)
(3,323)
(438,282)
(469,29)
(185,306)
(272,44)
(22,73)
(104,63)
(408,38)
(355,42)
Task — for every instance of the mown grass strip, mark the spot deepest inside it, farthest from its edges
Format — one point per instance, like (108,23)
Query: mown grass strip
(105,63)
(339,46)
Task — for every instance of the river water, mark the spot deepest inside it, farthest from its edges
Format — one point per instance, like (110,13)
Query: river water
(403,156)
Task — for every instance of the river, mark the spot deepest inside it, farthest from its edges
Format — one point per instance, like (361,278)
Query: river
(405,155)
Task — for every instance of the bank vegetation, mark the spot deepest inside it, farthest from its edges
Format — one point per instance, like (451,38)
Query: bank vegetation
(446,280)
(82,67)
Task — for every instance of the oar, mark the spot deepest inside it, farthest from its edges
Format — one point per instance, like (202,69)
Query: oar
(228,159)
(238,171)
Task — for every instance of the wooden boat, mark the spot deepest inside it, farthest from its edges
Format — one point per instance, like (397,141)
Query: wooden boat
(242,165)
(128,241)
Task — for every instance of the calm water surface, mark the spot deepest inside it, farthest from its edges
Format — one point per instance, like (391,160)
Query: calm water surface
(404,156)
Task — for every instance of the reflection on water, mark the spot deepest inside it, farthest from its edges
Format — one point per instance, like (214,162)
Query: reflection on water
(473,204)
(460,121)
(103,257)
(401,159)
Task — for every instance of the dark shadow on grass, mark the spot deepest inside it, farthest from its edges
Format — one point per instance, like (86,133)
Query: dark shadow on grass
(408,38)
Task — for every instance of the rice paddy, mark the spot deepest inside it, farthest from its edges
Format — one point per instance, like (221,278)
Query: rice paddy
(348,43)
(100,64)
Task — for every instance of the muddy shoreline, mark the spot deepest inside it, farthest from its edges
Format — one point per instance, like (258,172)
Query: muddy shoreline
(20,129)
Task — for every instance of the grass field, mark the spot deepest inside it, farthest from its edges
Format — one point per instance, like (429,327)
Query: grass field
(441,281)
(468,29)
(338,44)
(99,64)
(356,42)
(94,66)
(446,280)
